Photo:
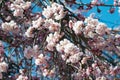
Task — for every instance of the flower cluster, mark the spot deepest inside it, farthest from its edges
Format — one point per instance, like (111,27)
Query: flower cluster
(51,40)
(101,71)
(53,45)
(90,27)
(40,24)
(71,52)
(47,23)
(42,61)
(55,11)
(10,27)
(52,25)
(18,6)
(78,27)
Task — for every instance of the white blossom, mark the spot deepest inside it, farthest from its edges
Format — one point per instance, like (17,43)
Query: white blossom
(52,25)
(18,7)
(54,11)
(78,27)
(22,77)
(101,28)
(10,26)
(30,32)
(3,67)
(52,39)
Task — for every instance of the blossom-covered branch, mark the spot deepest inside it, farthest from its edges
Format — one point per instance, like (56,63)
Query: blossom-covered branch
(56,43)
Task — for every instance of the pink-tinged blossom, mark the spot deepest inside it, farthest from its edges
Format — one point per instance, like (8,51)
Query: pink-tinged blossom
(101,29)
(71,52)
(36,51)
(98,43)
(18,12)
(52,25)
(47,72)
(40,60)
(25,5)
(28,52)
(88,30)
(30,32)
(59,11)
(3,67)
(18,7)
(94,28)
(41,23)
(20,4)
(78,27)
(47,12)
(91,34)
(60,47)
(52,39)
(14,7)
(38,23)
(68,47)
(10,26)
(93,40)
(90,20)
(55,11)
(60,15)
(74,58)
(22,77)
(31,52)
